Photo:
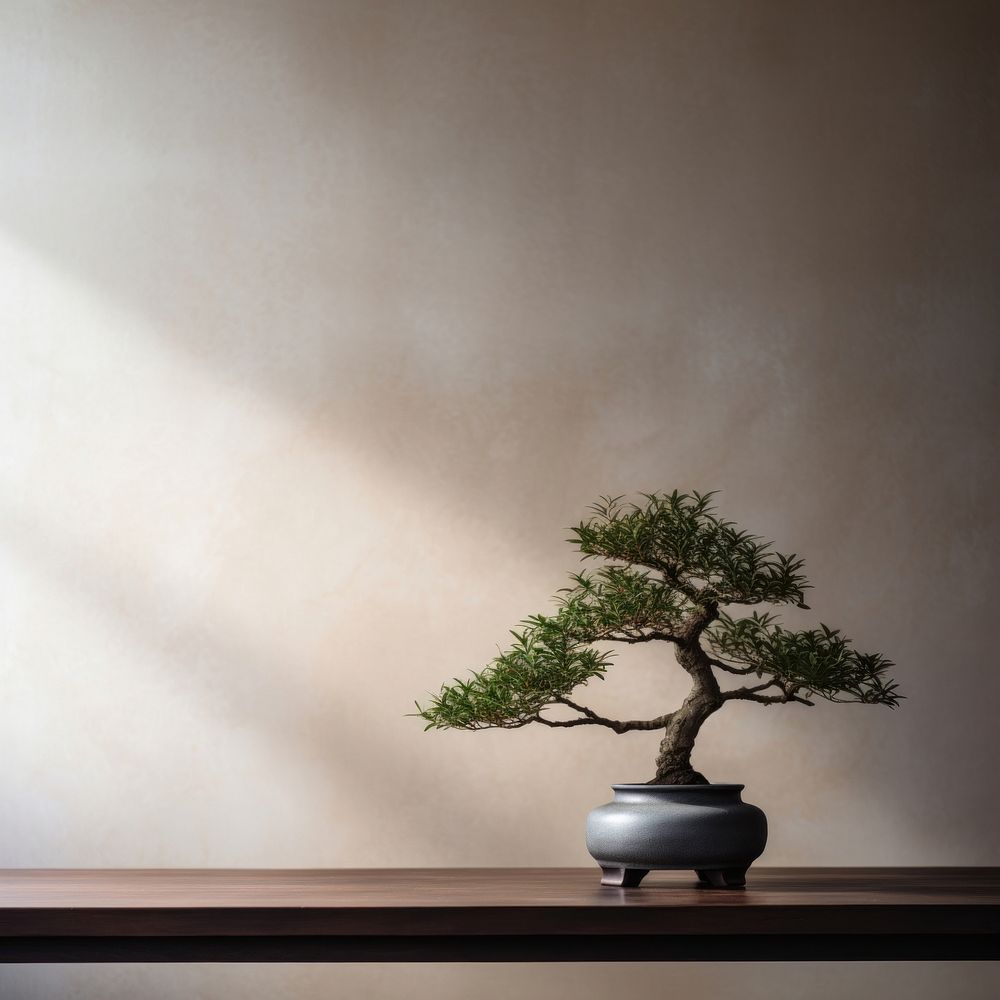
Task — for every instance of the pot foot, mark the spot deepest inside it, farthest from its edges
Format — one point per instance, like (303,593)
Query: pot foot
(736,878)
(625,878)
(722,878)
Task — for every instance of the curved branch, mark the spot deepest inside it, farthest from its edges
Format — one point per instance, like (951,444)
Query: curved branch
(729,668)
(588,717)
(563,723)
(753,694)
(671,577)
(641,637)
(697,595)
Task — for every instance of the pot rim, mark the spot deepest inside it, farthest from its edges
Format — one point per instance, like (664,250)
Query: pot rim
(713,786)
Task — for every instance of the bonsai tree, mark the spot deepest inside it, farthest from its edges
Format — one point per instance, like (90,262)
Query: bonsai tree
(671,566)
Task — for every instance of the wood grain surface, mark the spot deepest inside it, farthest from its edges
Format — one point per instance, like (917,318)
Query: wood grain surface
(493,914)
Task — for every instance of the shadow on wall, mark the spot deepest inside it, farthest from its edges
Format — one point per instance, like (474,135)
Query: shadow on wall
(245,679)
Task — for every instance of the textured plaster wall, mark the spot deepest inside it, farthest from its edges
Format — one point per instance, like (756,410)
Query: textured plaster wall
(321,321)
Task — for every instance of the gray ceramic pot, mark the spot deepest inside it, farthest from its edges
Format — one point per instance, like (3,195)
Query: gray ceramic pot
(707,828)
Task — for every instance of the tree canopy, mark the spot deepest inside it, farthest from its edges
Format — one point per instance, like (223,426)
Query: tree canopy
(669,565)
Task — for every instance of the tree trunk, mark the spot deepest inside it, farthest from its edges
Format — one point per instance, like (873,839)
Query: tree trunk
(673,763)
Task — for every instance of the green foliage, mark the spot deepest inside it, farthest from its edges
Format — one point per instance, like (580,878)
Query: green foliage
(816,661)
(618,602)
(681,562)
(551,655)
(543,663)
(680,535)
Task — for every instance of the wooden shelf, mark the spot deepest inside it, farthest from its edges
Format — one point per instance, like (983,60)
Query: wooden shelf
(513,914)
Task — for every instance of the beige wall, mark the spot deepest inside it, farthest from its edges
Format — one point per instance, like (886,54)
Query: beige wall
(320,322)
